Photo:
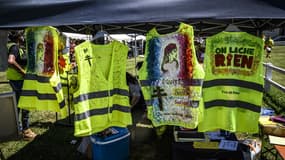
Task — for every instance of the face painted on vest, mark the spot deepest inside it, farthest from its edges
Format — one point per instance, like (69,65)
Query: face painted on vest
(40,57)
(170,58)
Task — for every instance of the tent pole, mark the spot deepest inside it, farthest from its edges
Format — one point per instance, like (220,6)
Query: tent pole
(135,54)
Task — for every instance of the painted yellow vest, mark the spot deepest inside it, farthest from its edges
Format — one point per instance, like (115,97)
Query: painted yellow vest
(42,89)
(102,99)
(64,63)
(12,73)
(171,78)
(233,85)
(64,74)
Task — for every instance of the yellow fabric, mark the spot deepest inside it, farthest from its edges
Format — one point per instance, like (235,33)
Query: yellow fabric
(268,127)
(171,78)
(206,145)
(102,99)
(42,89)
(12,73)
(269,42)
(233,85)
(265,120)
(64,74)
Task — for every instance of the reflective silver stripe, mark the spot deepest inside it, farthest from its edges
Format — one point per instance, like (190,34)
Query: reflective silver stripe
(193,104)
(63,78)
(38,78)
(233,82)
(43,80)
(193,82)
(64,85)
(145,82)
(119,91)
(185,82)
(57,88)
(42,96)
(100,94)
(61,104)
(101,111)
(233,104)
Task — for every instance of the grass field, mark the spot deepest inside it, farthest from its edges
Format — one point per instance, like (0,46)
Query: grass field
(54,140)
(275,98)
(277,59)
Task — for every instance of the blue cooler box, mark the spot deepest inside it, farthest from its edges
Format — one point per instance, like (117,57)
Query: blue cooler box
(113,147)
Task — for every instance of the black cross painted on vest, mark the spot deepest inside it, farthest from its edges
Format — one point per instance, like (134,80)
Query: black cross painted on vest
(159,92)
(88,58)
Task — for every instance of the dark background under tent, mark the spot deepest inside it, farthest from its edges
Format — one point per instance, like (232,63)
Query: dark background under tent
(136,16)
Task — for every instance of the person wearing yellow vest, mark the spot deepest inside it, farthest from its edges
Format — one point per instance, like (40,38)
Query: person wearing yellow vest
(15,74)
(171,79)
(233,85)
(269,43)
(102,99)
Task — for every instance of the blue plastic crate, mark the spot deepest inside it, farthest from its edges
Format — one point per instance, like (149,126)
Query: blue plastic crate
(113,147)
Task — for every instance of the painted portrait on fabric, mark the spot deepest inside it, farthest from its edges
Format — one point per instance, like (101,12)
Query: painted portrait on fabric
(170,63)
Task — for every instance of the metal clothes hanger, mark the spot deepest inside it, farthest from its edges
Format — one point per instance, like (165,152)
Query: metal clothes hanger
(232,28)
(100,37)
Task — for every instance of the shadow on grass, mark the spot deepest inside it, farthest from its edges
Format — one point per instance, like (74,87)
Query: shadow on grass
(54,142)
(51,145)
(145,145)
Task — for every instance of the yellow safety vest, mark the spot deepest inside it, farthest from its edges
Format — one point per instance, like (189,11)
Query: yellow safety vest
(233,85)
(66,80)
(42,89)
(102,99)
(171,78)
(11,72)
(64,74)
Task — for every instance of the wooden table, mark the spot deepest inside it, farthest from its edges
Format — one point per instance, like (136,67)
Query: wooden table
(280,150)
(267,129)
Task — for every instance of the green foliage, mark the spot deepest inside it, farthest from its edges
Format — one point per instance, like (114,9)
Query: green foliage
(275,99)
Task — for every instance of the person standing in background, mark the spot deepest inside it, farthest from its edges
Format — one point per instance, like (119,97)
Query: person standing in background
(17,62)
(269,43)
(263,37)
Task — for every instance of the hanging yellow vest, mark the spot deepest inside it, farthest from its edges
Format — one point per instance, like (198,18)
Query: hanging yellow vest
(42,88)
(233,84)
(171,78)
(12,73)
(64,63)
(102,99)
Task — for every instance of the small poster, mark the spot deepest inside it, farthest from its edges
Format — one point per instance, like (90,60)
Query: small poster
(228,145)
